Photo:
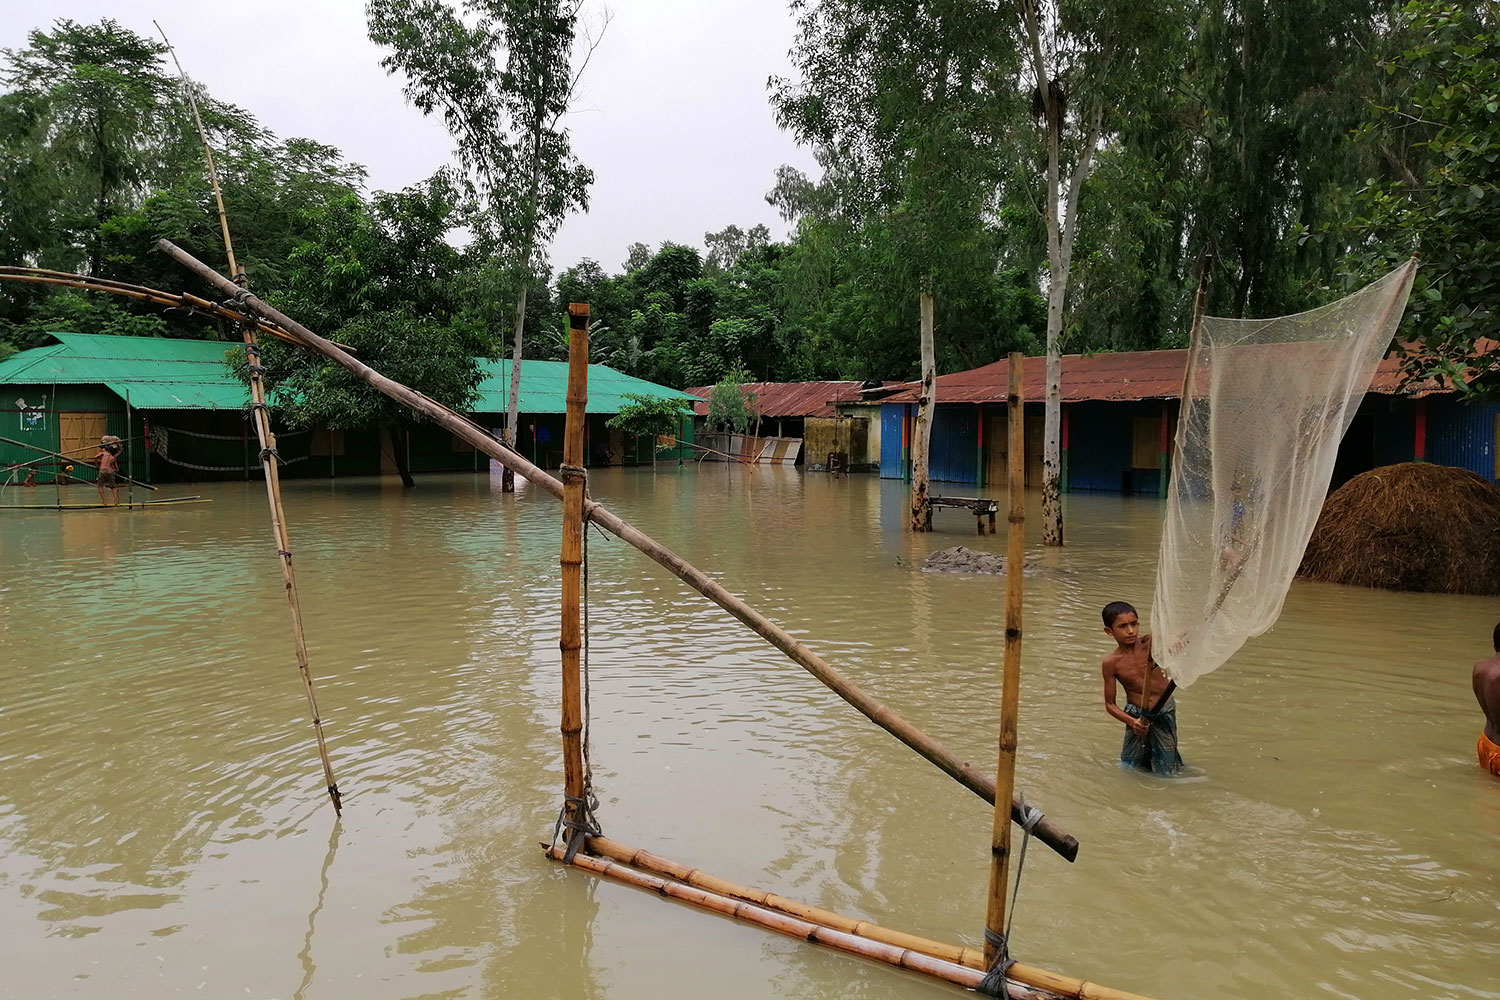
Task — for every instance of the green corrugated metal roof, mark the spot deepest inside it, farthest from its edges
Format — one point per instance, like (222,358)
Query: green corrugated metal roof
(171,374)
(544,388)
(159,373)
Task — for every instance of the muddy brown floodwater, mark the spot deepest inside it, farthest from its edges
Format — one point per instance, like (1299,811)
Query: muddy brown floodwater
(163,830)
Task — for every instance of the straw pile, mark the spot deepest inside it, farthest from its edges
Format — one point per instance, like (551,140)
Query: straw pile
(1414,526)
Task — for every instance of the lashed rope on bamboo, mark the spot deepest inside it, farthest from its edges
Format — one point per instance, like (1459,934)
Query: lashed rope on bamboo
(583,822)
(994,982)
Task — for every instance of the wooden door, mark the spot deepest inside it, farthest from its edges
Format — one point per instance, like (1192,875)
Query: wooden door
(1035,436)
(996,444)
(79,433)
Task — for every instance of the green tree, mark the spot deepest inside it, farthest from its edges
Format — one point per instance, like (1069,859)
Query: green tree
(901,100)
(1439,133)
(730,407)
(650,417)
(382,279)
(93,103)
(500,73)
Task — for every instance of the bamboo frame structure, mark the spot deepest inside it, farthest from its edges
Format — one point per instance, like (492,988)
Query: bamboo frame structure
(571,640)
(467,430)
(641,868)
(1010,683)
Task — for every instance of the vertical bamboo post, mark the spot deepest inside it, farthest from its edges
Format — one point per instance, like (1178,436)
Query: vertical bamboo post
(571,640)
(129,454)
(1010,684)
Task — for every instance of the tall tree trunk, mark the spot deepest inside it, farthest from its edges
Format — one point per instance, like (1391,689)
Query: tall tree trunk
(398,453)
(921,499)
(1057,289)
(512,412)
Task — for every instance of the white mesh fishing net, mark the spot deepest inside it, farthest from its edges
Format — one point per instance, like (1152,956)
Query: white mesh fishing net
(1265,403)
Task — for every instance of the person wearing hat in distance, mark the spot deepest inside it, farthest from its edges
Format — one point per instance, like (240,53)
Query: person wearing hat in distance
(109,471)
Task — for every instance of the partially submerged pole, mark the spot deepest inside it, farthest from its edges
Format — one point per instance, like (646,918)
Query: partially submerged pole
(466,429)
(995,945)
(260,413)
(575,785)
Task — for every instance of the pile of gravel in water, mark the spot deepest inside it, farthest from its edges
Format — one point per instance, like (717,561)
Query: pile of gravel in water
(962,559)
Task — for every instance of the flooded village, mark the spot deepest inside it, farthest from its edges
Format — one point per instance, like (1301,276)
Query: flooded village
(388,611)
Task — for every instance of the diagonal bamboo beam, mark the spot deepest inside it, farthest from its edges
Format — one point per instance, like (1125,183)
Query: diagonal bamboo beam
(466,429)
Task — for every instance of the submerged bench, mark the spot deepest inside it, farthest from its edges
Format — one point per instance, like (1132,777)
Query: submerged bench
(982,507)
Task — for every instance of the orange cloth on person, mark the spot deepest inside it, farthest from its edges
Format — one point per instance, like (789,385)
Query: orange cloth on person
(1489,755)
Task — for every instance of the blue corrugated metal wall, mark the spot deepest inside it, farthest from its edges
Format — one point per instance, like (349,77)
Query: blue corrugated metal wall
(1098,445)
(1100,442)
(955,434)
(955,440)
(1462,435)
(890,440)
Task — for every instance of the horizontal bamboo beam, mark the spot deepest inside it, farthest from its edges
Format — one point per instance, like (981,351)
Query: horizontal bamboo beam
(973,958)
(930,749)
(784,923)
(646,861)
(172,300)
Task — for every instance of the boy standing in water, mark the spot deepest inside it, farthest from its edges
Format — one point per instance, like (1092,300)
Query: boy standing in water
(1150,737)
(1487,690)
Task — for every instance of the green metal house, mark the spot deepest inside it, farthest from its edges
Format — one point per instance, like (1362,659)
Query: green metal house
(184,416)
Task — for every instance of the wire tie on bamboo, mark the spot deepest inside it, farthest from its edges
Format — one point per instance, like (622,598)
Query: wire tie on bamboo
(266,453)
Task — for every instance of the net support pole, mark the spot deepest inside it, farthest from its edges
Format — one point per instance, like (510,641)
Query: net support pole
(129,454)
(1010,681)
(268,458)
(573,478)
(928,748)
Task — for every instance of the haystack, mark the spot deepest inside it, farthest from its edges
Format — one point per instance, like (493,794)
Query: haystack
(1413,526)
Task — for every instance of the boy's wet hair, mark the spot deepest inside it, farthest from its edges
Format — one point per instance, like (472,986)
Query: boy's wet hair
(1115,609)
(1497,637)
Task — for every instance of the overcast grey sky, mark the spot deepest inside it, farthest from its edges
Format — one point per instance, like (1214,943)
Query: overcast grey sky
(673,116)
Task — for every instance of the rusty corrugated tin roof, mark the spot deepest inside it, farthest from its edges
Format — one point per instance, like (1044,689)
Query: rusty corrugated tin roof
(789,399)
(1122,377)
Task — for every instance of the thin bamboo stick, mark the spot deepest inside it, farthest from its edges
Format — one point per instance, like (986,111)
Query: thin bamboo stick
(129,450)
(1010,683)
(930,749)
(571,640)
(261,414)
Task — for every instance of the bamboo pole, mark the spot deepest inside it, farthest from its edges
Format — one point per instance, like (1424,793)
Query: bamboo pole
(783,923)
(1010,683)
(655,865)
(129,451)
(268,460)
(571,641)
(261,414)
(62,455)
(973,958)
(928,748)
(140,293)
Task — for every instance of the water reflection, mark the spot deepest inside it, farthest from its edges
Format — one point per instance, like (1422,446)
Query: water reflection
(163,826)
